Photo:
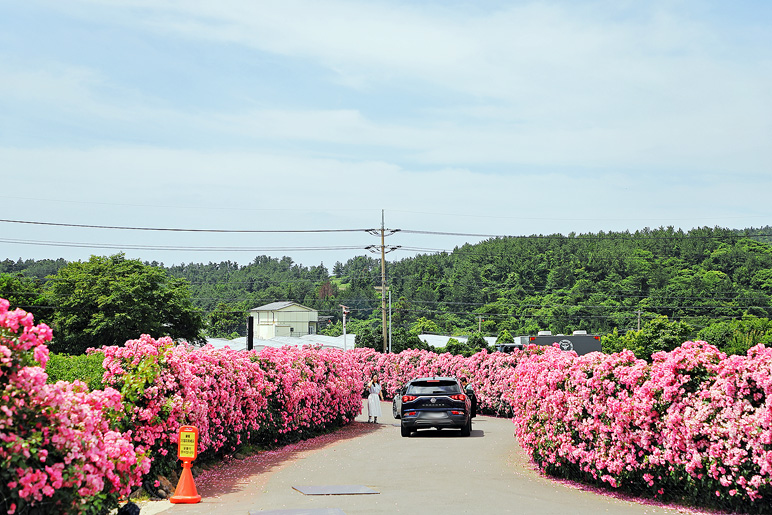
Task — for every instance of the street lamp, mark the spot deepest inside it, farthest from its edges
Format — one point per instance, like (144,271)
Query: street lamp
(345,312)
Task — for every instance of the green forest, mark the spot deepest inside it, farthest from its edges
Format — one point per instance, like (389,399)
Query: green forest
(643,290)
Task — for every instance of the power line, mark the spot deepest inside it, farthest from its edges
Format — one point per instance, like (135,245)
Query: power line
(121,246)
(241,231)
(610,236)
(520,217)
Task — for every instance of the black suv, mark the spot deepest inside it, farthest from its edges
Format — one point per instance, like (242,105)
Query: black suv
(435,402)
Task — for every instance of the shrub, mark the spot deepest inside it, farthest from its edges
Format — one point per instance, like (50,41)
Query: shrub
(233,397)
(86,368)
(693,426)
(58,453)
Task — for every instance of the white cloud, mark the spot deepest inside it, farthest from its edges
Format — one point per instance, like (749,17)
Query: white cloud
(153,187)
(551,83)
(538,116)
(522,50)
(56,89)
(221,179)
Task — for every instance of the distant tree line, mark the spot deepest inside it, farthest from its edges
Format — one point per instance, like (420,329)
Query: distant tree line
(646,290)
(105,301)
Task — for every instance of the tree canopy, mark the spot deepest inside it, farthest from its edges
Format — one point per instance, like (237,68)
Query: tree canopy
(604,283)
(108,300)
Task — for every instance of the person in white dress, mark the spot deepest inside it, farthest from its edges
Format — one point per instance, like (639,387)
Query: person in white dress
(374,399)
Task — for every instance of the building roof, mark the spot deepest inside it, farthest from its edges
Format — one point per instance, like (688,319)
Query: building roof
(336,342)
(436,340)
(221,343)
(276,306)
(330,341)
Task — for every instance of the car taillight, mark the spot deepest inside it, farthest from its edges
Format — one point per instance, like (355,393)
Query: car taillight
(456,412)
(458,397)
(408,398)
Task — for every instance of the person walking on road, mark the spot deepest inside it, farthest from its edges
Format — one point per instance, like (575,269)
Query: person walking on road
(374,399)
(470,392)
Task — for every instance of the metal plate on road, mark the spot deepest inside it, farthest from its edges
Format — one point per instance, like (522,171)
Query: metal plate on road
(335,490)
(323,511)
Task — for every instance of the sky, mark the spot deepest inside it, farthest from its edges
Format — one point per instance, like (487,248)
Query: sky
(289,128)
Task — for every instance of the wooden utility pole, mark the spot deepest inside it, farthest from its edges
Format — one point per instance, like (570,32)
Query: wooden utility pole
(383,282)
(383,288)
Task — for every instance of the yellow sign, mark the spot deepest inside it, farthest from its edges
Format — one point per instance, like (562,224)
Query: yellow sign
(188,443)
(187,449)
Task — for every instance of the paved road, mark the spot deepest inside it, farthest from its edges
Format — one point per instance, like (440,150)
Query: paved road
(432,472)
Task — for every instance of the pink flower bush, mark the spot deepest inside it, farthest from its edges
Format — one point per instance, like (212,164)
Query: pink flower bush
(693,422)
(232,397)
(67,450)
(318,388)
(491,375)
(694,425)
(58,453)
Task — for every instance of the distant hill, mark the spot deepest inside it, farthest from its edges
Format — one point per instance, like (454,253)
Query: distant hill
(595,282)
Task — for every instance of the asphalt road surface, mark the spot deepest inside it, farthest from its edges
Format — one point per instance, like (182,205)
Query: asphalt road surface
(431,472)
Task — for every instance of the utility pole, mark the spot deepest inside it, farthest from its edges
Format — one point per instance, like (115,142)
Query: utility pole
(383,288)
(383,282)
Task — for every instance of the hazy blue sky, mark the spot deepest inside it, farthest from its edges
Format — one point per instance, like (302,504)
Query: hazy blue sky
(475,117)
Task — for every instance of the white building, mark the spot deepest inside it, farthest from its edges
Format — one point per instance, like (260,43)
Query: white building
(284,319)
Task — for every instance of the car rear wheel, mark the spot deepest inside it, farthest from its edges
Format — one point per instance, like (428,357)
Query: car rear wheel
(405,431)
(394,410)
(467,429)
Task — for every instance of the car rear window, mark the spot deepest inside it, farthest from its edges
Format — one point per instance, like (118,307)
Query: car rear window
(433,387)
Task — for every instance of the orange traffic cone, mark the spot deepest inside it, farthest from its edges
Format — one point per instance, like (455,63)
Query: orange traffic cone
(186,488)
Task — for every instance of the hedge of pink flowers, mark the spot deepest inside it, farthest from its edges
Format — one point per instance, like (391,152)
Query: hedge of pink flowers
(64,449)
(693,426)
(59,452)
(491,375)
(232,397)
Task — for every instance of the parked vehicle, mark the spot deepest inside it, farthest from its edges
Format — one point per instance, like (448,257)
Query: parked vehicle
(435,402)
(396,403)
(580,342)
(519,343)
